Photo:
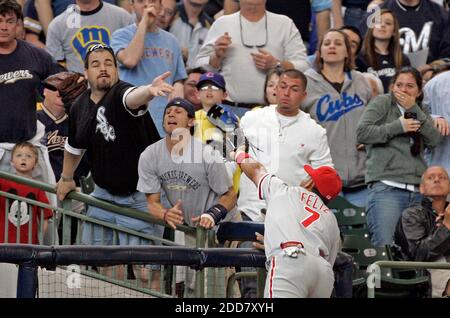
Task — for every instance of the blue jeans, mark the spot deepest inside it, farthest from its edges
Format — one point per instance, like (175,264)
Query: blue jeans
(358,197)
(98,235)
(384,208)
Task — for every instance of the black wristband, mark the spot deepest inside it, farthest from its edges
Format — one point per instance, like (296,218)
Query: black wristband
(217,212)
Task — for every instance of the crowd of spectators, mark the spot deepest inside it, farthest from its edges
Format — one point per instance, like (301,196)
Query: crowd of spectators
(372,99)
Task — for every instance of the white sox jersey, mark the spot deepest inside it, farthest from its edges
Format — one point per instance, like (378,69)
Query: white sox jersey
(295,214)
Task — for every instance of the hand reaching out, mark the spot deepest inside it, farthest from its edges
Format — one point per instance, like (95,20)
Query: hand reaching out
(159,86)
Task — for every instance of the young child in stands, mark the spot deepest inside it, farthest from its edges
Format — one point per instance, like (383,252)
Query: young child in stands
(23,219)
(214,121)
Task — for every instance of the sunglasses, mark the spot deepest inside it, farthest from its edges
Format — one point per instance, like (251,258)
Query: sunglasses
(211,87)
(96,47)
(247,45)
(99,46)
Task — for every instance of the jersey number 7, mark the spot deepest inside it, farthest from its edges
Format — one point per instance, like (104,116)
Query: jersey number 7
(310,219)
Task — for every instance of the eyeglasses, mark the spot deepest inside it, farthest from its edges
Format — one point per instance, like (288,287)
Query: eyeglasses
(211,87)
(254,45)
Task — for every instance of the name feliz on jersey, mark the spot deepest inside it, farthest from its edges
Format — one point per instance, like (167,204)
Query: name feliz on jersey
(332,110)
(313,205)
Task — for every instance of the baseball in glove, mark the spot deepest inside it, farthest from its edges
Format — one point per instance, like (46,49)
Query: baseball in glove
(69,85)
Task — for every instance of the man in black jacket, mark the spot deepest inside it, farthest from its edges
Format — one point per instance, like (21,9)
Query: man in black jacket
(423,232)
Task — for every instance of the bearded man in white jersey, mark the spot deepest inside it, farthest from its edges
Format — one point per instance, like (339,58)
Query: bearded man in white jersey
(301,234)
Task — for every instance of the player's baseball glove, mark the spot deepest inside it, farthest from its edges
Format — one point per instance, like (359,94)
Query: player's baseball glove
(69,85)
(228,123)
(222,118)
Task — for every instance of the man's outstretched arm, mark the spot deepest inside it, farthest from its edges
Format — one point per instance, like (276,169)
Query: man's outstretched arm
(252,168)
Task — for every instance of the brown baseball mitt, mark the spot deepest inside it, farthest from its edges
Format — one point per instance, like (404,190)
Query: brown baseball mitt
(69,85)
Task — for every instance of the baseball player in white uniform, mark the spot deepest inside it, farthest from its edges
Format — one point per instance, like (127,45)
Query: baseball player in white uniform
(301,234)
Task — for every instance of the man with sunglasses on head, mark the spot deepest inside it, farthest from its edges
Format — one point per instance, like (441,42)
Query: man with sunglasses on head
(109,122)
(245,45)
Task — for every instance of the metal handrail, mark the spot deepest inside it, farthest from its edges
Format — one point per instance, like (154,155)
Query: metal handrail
(89,200)
(92,201)
(402,265)
(200,233)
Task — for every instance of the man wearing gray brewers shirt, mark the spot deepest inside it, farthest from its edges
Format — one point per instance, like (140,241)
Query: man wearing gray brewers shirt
(193,175)
(72,32)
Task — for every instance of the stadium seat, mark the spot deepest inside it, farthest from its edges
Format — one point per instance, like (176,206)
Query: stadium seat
(351,218)
(391,286)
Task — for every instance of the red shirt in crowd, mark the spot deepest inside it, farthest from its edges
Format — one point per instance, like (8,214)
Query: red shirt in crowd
(19,213)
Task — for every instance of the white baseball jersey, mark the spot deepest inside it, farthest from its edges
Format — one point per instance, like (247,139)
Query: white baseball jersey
(283,148)
(295,214)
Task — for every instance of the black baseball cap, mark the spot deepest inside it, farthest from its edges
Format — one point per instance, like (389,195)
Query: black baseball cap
(183,103)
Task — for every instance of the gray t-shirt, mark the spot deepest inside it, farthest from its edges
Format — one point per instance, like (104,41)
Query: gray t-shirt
(198,177)
(70,34)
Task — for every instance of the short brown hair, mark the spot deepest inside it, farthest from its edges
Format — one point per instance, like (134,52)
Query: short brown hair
(293,73)
(25,144)
(11,6)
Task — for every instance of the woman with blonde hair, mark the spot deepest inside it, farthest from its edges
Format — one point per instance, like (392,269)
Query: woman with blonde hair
(381,53)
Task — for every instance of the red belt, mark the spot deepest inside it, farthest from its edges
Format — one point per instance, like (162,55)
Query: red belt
(291,243)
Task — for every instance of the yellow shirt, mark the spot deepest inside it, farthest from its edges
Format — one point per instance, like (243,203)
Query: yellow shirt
(204,131)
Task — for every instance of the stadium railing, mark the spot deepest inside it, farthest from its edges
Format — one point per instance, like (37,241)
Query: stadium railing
(375,269)
(66,216)
(29,256)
